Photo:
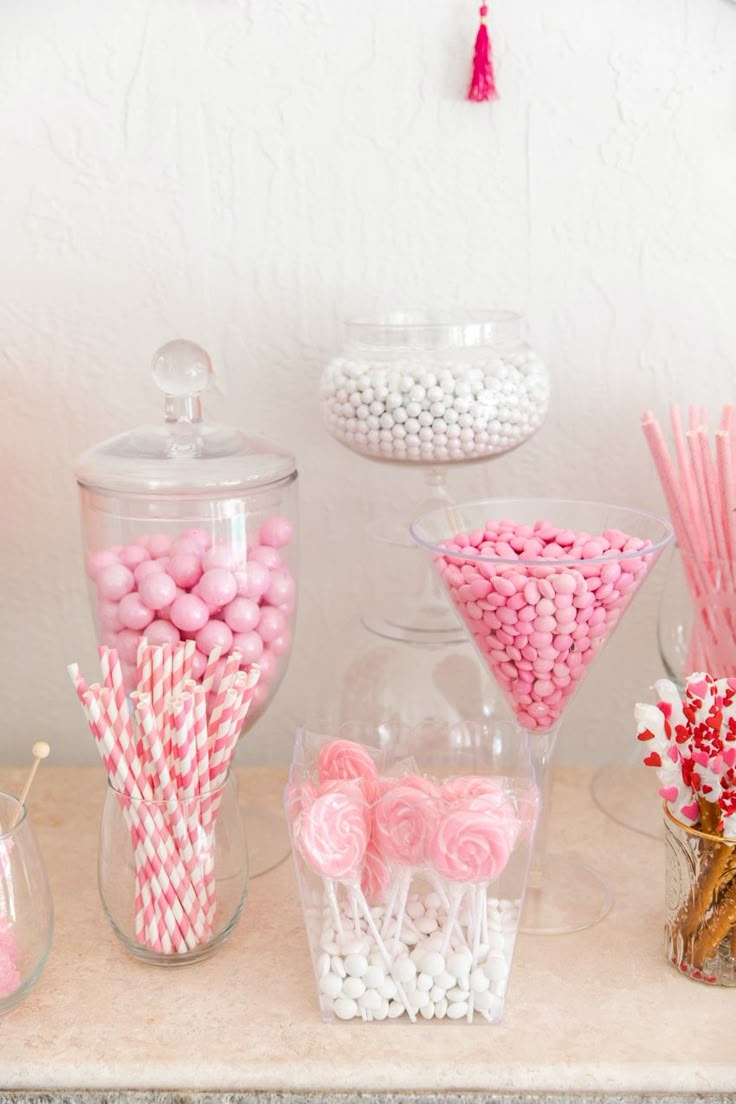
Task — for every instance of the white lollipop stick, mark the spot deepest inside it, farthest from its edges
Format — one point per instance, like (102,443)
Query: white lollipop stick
(40,750)
(478,904)
(332,898)
(358,892)
(455,897)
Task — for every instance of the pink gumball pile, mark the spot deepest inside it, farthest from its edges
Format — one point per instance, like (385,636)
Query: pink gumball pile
(540,602)
(169,589)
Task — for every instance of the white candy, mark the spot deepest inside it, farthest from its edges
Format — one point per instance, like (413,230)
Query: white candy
(440,1009)
(479,981)
(338,966)
(460,962)
(495,967)
(356,965)
(345,1009)
(370,1001)
(323,965)
(405,971)
(353,987)
(457,994)
(374,977)
(456,1011)
(330,985)
(384,391)
(433,964)
(395,1009)
(436,993)
(388,989)
(427,1010)
(425,981)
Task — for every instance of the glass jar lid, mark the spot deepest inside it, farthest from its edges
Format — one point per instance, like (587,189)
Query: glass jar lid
(184,454)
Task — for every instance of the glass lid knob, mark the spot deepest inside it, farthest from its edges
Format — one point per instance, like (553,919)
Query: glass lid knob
(182,370)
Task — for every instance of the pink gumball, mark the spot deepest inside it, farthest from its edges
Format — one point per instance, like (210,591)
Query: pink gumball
(199,665)
(134,613)
(189,613)
(215,634)
(134,555)
(271,624)
(269,557)
(148,567)
(219,556)
(98,561)
(253,580)
(159,544)
(276,532)
(280,589)
(281,644)
(126,643)
(267,664)
(162,632)
(250,646)
(260,697)
(110,617)
(200,537)
(185,568)
(115,582)
(242,614)
(217,587)
(157,590)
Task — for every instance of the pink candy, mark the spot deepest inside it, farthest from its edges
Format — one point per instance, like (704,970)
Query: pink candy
(540,621)
(331,832)
(223,595)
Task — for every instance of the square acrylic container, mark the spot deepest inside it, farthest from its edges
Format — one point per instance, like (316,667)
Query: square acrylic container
(412,852)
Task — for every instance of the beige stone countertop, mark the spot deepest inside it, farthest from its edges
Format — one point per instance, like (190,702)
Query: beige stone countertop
(591,1014)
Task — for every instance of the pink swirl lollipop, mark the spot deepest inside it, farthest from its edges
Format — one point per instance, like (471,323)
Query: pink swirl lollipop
(298,795)
(469,785)
(473,842)
(344,760)
(404,822)
(332,832)
(376,876)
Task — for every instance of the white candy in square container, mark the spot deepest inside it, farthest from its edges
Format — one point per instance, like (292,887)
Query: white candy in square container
(412,856)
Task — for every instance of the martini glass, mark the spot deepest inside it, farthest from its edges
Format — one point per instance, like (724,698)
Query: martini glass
(539,614)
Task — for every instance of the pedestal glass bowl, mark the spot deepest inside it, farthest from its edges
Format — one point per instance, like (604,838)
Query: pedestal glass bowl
(540,584)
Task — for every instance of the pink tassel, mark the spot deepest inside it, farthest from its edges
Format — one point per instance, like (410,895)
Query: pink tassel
(483,81)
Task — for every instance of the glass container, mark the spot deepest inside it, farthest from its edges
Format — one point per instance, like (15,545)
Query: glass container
(189,533)
(700,903)
(539,599)
(696,627)
(173,875)
(26,910)
(430,388)
(426,929)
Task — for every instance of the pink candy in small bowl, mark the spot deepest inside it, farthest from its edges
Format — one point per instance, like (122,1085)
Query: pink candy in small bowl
(412,883)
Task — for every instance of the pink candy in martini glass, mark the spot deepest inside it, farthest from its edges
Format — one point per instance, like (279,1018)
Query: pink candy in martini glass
(540,584)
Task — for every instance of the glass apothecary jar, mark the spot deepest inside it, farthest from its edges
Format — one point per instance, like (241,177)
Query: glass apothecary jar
(426,388)
(190,533)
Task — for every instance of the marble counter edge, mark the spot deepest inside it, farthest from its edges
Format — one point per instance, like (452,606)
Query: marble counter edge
(119,1096)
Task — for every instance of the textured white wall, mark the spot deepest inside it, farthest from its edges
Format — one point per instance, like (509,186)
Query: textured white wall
(246,173)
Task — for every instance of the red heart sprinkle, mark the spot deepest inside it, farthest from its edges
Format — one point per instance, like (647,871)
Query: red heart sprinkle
(690,811)
(654,759)
(668,793)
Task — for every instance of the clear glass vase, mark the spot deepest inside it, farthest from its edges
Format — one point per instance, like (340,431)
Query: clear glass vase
(697,624)
(173,875)
(700,903)
(26,910)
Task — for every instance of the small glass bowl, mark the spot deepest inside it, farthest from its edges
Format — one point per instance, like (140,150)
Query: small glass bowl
(26,909)
(173,875)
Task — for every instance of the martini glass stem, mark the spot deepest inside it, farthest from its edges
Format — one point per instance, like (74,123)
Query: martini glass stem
(542,748)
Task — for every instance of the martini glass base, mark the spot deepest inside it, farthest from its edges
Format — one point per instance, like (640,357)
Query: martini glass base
(626,797)
(564,896)
(268,840)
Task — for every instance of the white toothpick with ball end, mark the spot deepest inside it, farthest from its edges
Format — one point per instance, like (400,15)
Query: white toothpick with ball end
(41,750)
